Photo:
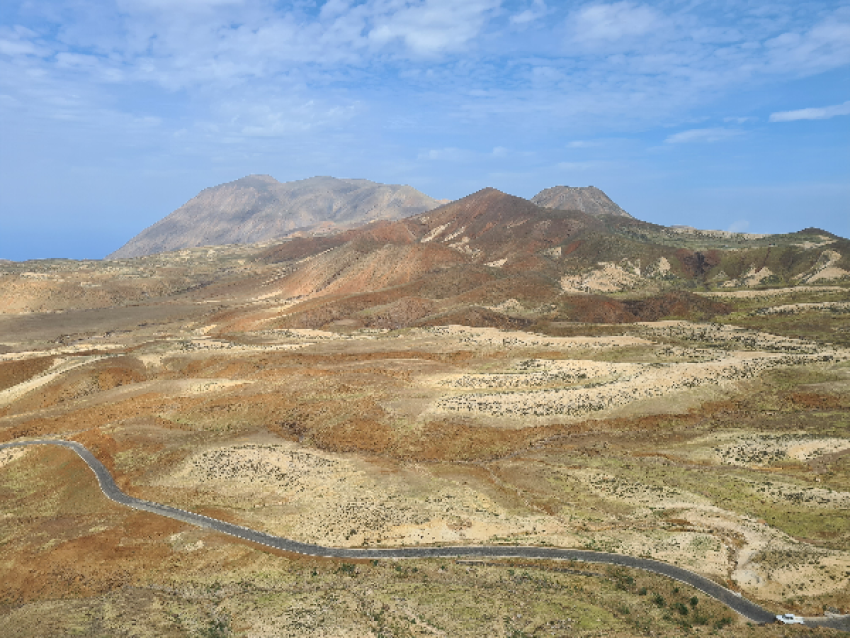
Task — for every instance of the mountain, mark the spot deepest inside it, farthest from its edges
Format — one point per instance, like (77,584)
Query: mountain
(587,199)
(486,259)
(488,230)
(258,208)
(494,259)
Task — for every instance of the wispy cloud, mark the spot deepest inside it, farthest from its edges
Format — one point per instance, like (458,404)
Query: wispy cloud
(449,154)
(580,166)
(703,135)
(381,80)
(627,62)
(739,226)
(537,10)
(461,155)
(818,113)
(20,41)
(600,24)
(825,45)
(434,26)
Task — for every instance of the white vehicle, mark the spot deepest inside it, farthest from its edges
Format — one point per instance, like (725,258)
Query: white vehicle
(790,619)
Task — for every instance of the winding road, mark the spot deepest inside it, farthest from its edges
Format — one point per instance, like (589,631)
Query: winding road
(734,601)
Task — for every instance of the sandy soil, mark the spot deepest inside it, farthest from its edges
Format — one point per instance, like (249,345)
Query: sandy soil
(609,277)
(360,503)
(449,434)
(749,279)
(825,270)
(599,387)
(764,449)
(773,292)
(494,337)
(835,307)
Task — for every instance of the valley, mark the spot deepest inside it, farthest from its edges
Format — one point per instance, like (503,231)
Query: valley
(485,372)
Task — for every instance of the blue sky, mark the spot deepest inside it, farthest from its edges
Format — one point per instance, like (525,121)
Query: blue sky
(723,114)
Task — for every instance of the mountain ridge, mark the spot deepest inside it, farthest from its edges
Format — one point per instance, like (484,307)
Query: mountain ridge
(258,208)
(495,259)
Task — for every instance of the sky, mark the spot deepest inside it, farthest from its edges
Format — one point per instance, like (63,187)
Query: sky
(729,114)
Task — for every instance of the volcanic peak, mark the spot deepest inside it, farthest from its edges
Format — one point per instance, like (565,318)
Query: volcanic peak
(587,199)
(258,208)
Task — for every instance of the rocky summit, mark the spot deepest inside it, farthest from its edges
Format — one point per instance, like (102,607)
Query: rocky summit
(258,208)
(587,199)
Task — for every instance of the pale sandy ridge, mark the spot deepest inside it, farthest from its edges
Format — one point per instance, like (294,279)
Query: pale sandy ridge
(59,368)
(772,292)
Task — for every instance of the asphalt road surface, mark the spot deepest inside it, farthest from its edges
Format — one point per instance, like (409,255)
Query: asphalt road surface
(734,601)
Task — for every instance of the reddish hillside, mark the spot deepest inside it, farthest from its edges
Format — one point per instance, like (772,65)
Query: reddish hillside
(494,259)
(490,226)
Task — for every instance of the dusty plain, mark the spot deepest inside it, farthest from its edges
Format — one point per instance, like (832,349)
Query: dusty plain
(201,381)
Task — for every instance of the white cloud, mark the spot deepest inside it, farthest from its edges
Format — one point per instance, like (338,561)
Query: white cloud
(605,68)
(583,143)
(537,10)
(182,6)
(739,226)
(432,27)
(826,45)
(820,113)
(333,8)
(449,154)
(579,166)
(464,155)
(274,112)
(547,74)
(602,24)
(20,41)
(702,135)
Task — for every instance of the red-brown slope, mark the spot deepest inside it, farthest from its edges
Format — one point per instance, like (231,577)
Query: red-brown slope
(490,226)
(457,264)
(400,273)
(361,266)
(484,227)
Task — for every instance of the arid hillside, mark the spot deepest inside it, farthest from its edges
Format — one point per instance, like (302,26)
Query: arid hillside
(497,260)
(258,208)
(487,372)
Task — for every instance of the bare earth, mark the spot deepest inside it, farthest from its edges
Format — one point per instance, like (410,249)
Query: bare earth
(716,447)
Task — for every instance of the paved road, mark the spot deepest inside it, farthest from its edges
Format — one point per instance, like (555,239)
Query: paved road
(746,608)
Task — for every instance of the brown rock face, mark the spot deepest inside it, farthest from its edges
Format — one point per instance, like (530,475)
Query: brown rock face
(259,208)
(587,199)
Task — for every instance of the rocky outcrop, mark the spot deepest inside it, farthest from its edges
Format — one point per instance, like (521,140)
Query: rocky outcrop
(587,199)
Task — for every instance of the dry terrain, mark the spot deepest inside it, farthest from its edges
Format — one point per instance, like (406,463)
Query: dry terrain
(329,393)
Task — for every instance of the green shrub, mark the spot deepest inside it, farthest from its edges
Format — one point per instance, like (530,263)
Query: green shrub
(347,568)
(723,622)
